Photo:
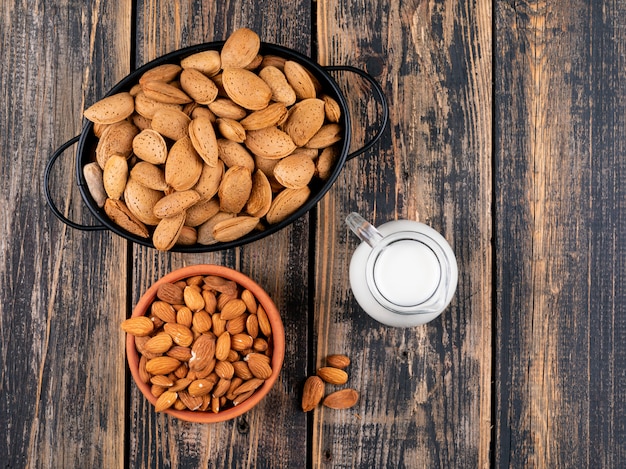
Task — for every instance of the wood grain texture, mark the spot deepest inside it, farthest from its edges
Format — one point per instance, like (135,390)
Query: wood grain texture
(560,234)
(63,380)
(274,434)
(425,391)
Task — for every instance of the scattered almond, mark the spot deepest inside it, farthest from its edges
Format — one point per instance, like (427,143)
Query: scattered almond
(313,393)
(342,399)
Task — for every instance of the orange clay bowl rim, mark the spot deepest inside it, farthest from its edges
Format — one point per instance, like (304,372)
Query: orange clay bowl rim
(278,341)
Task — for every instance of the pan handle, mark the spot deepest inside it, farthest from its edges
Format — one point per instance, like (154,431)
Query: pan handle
(380,95)
(46,183)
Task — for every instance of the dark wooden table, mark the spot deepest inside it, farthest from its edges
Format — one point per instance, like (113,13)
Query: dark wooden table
(507,122)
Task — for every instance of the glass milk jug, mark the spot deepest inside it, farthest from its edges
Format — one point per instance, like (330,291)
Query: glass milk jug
(404,273)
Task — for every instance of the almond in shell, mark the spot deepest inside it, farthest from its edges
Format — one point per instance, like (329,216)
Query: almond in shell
(175,203)
(240,49)
(165,92)
(111,109)
(204,139)
(115,175)
(141,201)
(117,211)
(294,171)
(234,228)
(200,212)
(150,146)
(164,73)
(286,203)
(147,107)
(149,175)
(231,129)
(270,142)
(209,181)
(246,88)
(327,161)
(171,123)
(300,80)
(198,86)
(331,108)
(305,118)
(326,136)
(183,165)
(272,115)
(208,62)
(234,154)
(225,107)
(235,189)
(116,139)
(282,91)
(188,236)
(95,184)
(260,198)
(205,231)
(167,232)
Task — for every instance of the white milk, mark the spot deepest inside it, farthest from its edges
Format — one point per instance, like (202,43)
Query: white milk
(407,273)
(404,273)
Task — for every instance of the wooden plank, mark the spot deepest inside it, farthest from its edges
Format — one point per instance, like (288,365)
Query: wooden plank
(62,293)
(274,433)
(560,234)
(425,391)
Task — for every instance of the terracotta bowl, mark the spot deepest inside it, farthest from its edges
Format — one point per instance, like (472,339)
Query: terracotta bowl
(277,341)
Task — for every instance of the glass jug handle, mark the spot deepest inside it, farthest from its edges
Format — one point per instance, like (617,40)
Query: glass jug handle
(363,229)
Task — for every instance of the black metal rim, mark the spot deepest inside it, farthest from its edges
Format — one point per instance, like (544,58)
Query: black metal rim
(87,143)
